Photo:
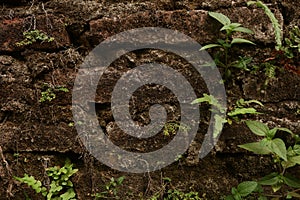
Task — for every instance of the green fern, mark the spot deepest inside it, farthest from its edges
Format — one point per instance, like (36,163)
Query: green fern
(275,23)
(33,183)
(61,187)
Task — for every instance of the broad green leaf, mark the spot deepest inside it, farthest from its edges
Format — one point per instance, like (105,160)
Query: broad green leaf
(285,130)
(256,147)
(209,46)
(278,147)
(220,17)
(270,179)
(295,159)
(246,188)
(297,149)
(288,163)
(241,41)
(258,128)
(291,181)
(244,30)
(242,111)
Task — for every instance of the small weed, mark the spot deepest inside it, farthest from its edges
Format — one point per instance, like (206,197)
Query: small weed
(292,44)
(111,189)
(225,45)
(171,128)
(287,48)
(282,184)
(241,107)
(34,36)
(49,94)
(61,187)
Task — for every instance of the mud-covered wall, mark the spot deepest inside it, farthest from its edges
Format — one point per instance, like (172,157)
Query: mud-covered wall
(36,135)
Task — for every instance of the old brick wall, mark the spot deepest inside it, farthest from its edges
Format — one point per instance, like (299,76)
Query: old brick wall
(36,135)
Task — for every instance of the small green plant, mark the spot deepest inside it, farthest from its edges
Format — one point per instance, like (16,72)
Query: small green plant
(61,187)
(111,189)
(226,44)
(170,128)
(283,184)
(286,49)
(49,94)
(241,107)
(34,36)
(292,44)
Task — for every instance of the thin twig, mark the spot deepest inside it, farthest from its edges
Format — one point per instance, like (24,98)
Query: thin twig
(9,171)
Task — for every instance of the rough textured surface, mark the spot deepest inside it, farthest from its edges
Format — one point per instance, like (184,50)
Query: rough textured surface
(36,135)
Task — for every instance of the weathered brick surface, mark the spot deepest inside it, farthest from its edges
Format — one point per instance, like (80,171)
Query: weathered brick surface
(196,24)
(11,32)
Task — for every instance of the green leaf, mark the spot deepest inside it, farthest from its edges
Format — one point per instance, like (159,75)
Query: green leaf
(285,130)
(276,187)
(244,30)
(211,100)
(68,195)
(254,101)
(295,159)
(246,188)
(270,179)
(256,147)
(291,181)
(209,46)
(235,194)
(297,149)
(229,197)
(31,182)
(242,111)
(271,133)
(257,128)
(241,41)
(278,147)
(219,121)
(230,27)
(220,17)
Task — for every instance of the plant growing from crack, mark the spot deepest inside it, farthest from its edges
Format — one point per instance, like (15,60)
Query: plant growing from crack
(61,187)
(286,48)
(226,44)
(283,184)
(33,36)
(111,189)
(50,93)
(241,107)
